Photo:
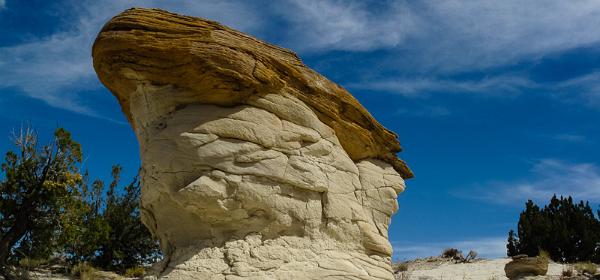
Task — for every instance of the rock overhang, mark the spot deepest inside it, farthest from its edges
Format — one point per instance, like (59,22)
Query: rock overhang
(217,65)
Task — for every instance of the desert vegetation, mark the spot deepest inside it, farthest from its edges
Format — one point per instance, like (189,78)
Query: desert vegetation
(457,255)
(567,231)
(50,209)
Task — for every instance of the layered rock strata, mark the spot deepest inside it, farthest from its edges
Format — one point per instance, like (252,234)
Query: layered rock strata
(253,165)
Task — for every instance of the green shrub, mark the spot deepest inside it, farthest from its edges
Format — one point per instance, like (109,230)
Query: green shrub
(568,231)
(33,202)
(53,209)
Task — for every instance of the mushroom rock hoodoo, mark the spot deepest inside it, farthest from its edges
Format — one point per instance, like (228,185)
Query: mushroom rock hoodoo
(253,165)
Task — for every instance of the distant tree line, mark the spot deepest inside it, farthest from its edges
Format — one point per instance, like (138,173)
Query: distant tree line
(567,231)
(49,208)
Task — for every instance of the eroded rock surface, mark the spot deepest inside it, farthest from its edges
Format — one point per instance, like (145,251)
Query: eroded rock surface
(522,266)
(253,166)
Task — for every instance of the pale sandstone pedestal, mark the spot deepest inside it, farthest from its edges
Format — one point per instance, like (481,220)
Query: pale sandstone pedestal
(253,166)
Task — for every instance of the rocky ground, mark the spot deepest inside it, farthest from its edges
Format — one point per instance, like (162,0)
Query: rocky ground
(432,268)
(58,272)
(446,269)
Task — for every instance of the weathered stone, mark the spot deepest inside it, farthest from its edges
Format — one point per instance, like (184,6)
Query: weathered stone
(253,165)
(526,266)
(195,60)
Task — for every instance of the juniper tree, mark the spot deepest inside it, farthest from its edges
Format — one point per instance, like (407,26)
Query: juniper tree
(48,208)
(35,185)
(129,242)
(568,231)
(512,245)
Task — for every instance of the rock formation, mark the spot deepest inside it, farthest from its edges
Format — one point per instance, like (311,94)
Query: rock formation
(253,165)
(522,266)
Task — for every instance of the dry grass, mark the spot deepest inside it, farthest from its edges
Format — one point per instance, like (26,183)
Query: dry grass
(135,272)
(84,271)
(586,267)
(568,272)
(544,254)
(29,264)
(405,275)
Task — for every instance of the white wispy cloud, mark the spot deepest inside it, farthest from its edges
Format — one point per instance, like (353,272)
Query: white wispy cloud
(443,35)
(476,34)
(546,178)
(418,87)
(428,111)
(569,137)
(2,4)
(345,25)
(426,39)
(487,247)
(578,90)
(45,68)
(58,70)
(586,87)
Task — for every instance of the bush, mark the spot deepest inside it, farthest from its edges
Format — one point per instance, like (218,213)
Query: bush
(586,267)
(114,237)
(130,243)
(456,255)
(544,255)
(84,271)
(135,272)
(451,253)
(567,272)
(37,184)
(49,208)
(470,256)
(401,267)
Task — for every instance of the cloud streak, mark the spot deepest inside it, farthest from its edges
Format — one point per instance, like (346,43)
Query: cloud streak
(418,87)
(443,36)
(546,178)
(58,69)
(584,89)
(427,43)
(425,111)
(571,138)
(42,69)
(345,25)
(424,41)
(479,34)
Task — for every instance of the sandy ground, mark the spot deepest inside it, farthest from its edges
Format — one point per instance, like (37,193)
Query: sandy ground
(422,269)
(480,269)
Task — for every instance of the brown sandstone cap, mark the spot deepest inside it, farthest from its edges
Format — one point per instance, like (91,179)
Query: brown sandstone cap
(225,67)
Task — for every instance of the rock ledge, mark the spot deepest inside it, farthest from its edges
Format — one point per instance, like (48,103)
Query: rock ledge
(212,64)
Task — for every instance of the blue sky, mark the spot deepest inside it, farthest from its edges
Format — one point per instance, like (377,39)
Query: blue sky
(494,102)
